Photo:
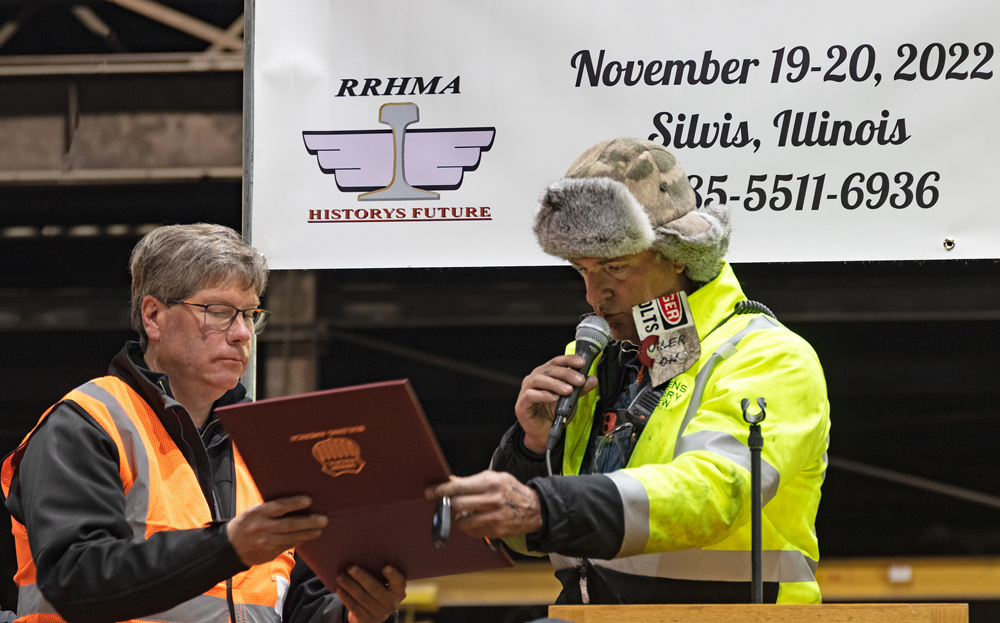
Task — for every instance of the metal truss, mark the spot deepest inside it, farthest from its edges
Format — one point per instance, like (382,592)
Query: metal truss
(218,39)
(41,145)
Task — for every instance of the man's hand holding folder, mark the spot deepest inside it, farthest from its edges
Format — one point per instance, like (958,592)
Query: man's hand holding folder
(262,532)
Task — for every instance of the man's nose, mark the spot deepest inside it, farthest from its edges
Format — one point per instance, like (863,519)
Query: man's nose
(596,292)
(239,331)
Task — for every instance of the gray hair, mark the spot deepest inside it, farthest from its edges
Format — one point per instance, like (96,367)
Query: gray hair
(176,261)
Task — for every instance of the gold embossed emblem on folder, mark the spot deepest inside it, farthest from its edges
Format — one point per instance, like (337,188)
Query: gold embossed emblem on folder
(338,455)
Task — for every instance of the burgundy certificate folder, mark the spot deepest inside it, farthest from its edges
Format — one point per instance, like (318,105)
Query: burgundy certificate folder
(364,454)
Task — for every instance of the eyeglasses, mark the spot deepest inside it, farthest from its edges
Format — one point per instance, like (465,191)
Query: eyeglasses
(219,317)
(614,449)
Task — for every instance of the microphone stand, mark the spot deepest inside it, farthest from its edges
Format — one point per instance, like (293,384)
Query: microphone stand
(756,444)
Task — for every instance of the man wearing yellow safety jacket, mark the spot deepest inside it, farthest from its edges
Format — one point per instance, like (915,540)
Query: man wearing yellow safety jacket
(651,498)
(129,500)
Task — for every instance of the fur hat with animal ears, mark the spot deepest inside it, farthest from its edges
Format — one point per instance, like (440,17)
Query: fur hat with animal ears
(626,195)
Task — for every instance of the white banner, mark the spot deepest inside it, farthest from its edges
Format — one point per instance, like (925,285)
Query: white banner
(392,133)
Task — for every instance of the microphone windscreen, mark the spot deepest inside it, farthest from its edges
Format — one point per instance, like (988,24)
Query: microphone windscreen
(595,330)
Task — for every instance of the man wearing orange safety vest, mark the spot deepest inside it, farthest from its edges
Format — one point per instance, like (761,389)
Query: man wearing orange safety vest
(128,499)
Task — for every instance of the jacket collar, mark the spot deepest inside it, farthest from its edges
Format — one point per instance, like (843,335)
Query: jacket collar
(130,366)
(710,303)
(715,300)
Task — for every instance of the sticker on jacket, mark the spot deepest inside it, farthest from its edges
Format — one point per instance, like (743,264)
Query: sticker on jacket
(670,343)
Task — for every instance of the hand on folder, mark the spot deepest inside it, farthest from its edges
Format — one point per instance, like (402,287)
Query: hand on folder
(491,504)
(368,600)
(262,532)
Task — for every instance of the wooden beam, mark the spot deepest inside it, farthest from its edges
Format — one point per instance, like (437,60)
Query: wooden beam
(917,482)
(13,25)
(182,22)
(119,176)
(526,584)
(93,22)
(235,30)
(150,63)
(901,579)
(8,30)
(766,613)
(904,579)
(90,20)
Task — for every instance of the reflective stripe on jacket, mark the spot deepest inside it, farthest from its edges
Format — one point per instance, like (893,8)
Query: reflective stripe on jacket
(161,493)
(686,489)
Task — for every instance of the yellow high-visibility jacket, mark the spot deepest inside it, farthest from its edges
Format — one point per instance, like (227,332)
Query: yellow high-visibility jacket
(680,509)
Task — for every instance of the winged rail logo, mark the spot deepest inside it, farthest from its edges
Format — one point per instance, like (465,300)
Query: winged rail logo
(399,164)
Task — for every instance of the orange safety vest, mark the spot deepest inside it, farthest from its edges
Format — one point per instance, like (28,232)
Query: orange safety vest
(161,493)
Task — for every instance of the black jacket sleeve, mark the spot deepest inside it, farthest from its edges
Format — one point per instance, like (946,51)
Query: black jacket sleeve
(581,515)
(516,459)
(68,493)
(309,601)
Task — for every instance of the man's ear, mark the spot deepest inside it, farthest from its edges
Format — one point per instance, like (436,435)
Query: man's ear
(680,268)
(152,310)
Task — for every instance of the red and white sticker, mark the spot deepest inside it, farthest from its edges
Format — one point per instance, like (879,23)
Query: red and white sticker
(669,337)
(662,314)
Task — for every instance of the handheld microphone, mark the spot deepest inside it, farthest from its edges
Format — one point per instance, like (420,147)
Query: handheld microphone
(592,335)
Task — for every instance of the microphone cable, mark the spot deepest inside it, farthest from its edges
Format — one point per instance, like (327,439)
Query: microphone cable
(743,307)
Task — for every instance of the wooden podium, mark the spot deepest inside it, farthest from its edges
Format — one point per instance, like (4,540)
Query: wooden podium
(766,613)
